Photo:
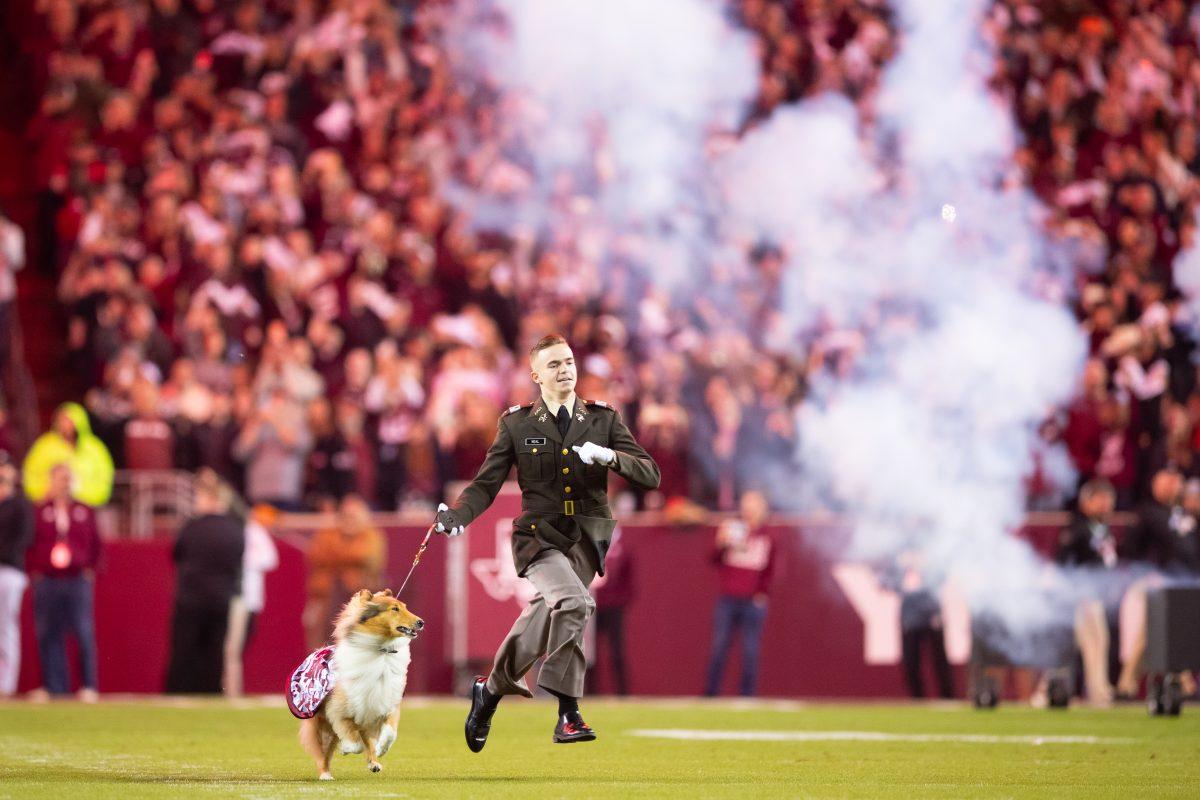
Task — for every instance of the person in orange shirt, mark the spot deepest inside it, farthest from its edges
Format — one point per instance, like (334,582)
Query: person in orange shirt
(341,560)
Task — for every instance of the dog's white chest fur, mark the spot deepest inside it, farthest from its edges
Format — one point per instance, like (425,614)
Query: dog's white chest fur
(372,677)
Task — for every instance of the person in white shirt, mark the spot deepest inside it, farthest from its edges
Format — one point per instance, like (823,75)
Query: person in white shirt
(259,558)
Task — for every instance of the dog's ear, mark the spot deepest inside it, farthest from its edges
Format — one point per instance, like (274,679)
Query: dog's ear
(387,592)
(372,610)
(364,595)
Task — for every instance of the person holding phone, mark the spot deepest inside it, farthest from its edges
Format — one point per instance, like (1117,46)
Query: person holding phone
(744,555)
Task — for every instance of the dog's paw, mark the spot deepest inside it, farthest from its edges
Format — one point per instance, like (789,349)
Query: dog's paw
(325,776)
(375,766)
(387,737)
(350,748)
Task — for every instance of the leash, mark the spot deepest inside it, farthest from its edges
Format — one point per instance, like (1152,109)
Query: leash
(416,558)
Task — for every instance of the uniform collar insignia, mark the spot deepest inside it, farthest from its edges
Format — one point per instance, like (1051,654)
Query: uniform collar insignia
(542,413)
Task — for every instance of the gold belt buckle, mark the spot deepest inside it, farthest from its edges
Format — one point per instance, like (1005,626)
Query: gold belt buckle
(568,507)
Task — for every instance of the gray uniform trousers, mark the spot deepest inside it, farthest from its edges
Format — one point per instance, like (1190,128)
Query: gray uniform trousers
(551,625)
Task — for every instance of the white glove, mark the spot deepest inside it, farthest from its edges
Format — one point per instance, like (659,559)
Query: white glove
(447,523)
(592,452)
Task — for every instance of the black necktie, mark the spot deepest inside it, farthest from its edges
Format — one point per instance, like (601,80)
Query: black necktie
(563,420)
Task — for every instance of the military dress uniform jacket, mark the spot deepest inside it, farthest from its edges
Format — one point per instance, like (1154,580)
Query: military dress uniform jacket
(563,500)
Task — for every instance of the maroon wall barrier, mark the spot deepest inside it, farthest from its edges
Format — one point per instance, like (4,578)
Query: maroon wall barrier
(135,593)
(134,597)
(812,644)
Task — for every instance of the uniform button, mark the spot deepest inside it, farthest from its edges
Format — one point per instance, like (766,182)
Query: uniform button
(567,489)
(566,470)
(535,449)
(564,451)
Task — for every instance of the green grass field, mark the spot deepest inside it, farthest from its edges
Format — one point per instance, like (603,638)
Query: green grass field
(249,750)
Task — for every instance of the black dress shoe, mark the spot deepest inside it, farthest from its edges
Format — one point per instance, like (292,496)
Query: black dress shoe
(479,718)
(572,728)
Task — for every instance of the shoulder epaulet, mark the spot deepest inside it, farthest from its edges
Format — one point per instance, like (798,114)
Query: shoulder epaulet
(515,408)
(600,404)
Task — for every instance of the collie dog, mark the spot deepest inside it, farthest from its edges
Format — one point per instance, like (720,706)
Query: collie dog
(370,665)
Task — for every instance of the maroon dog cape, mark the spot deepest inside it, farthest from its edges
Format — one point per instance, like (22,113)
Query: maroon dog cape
(311,683)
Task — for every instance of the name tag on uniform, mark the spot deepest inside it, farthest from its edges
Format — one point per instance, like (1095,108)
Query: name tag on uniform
(535,441)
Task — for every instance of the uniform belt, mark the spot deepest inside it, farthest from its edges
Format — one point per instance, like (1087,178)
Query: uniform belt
(567,507)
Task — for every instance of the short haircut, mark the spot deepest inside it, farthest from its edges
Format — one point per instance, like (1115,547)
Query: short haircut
(208,482)
(1096,486)
(549,340)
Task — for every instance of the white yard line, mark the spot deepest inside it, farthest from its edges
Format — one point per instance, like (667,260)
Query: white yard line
(862,736)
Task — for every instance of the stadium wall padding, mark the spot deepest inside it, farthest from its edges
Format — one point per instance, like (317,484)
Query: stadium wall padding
(812,644)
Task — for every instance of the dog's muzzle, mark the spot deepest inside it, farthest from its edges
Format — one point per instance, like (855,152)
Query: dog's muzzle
(413,631)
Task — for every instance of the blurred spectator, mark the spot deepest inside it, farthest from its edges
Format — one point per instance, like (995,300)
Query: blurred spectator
(50,134)
(1084,430)
(351,422)
(921,624)
(395,395)
(62,565)
(274,444)
(208,556)
(1161,523)
(1088,544)
(1187,541)
(213,441)
(12,259)
(16,535)
(260,557)
(331,462)
(1163,534)
(70,441)
(613,592)
(745,557)
(716,441)
(663,427)
(149,440)
(1088,540)
(341,560)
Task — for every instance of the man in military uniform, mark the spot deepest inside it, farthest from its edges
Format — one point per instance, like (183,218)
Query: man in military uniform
(563,448)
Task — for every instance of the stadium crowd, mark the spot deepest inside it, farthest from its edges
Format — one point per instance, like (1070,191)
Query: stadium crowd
(247,206)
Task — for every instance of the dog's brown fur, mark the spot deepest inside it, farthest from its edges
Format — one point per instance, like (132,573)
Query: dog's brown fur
(383,617)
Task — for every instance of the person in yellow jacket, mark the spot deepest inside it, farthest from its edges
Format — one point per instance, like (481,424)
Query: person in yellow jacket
(70,440)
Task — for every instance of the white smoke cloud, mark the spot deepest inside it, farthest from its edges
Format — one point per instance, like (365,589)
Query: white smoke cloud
(927,443)
(802,181)
(623,93)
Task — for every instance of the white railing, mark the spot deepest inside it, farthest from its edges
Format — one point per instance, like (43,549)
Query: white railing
(145,502)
